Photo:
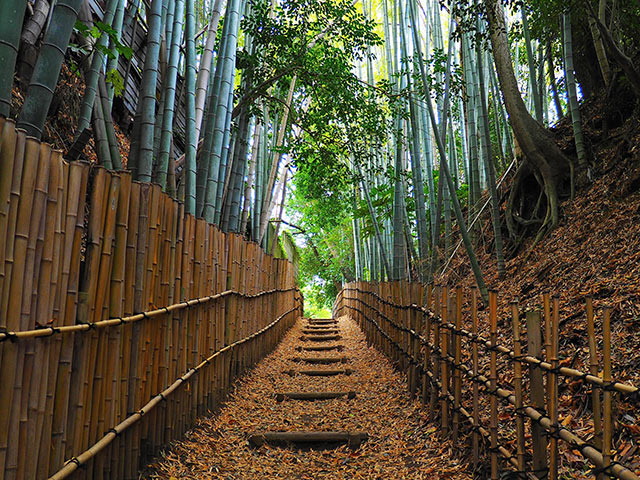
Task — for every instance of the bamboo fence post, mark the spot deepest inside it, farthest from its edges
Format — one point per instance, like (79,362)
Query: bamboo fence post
(444,344)
(427,385)
(475,370)
(607,421)
(593,369)
(70,279)
(457,379)
(517,384)
(536,386)
(436,342)
(38,298)
(55,311)
(493,334)
(22,195)
(551,326)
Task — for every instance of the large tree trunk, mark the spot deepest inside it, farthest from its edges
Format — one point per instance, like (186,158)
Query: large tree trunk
(551,166)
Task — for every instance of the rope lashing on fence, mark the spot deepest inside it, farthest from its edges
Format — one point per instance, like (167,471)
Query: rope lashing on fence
(460,409)
(552,429)
(76,462)
(630,392)
(48,331)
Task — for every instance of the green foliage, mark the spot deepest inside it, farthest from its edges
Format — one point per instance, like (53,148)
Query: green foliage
(95,33)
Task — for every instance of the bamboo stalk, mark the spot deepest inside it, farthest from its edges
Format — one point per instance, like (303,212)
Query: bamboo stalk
(475,369)
(444,349)
(552,382)
(593,369)
(457,379)
(13,355)
(517,384)
(78,181)
(607,421)
(493,333)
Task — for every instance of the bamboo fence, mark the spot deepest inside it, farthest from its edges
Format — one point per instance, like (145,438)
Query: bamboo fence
(421,329)
(121,318)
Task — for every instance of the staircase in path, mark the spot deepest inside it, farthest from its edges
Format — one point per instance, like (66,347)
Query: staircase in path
(316,409)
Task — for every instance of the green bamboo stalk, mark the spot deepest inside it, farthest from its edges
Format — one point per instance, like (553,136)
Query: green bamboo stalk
(100,135)
(416,170)
(552,77)
(45,75)
(374,220)
(206,61)
(147,97)
(12,15)
(489,165)
(576,118)
(217,124)
(95,70)
(189,178)
(444,168)
(108,122)
(226,160)
(170,99)
(112,63)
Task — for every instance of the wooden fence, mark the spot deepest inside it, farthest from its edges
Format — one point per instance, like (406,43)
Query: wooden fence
(463,374)
(121,318)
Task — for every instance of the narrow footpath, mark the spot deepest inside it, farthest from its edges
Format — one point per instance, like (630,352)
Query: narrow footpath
(378,433)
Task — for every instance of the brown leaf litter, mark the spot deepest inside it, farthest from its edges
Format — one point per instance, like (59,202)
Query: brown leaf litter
(401,444)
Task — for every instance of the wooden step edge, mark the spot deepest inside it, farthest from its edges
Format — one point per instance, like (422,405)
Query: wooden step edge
(319,338)
(352,439)
(314,395)
(333,331)
(320,348)
(320,373)
(325,360)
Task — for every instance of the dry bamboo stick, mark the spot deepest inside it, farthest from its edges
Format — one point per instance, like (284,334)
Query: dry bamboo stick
(593,369)
(607,421)
(457,380)
(552,384)
(517,385)
(13,355)
(438,357)
(493,334)
(475,369)
(444,349)
(74,227)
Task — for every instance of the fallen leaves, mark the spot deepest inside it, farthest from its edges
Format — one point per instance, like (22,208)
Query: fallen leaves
(401,444)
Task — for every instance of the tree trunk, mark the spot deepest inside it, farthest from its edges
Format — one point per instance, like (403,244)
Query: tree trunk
(536,143)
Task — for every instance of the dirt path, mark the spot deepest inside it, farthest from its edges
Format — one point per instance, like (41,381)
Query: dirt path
(401,443)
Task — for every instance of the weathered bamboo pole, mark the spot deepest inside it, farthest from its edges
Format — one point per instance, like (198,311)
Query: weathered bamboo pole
(517,384)
(475,400)
(607,403)
(593,369)
(493,379)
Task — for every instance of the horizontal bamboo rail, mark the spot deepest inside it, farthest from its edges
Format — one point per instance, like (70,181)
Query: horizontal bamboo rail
(426,344)
(76,462)
(631,392)
(49,331)
(108,294)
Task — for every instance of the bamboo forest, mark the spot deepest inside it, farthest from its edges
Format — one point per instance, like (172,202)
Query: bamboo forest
(320,239)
